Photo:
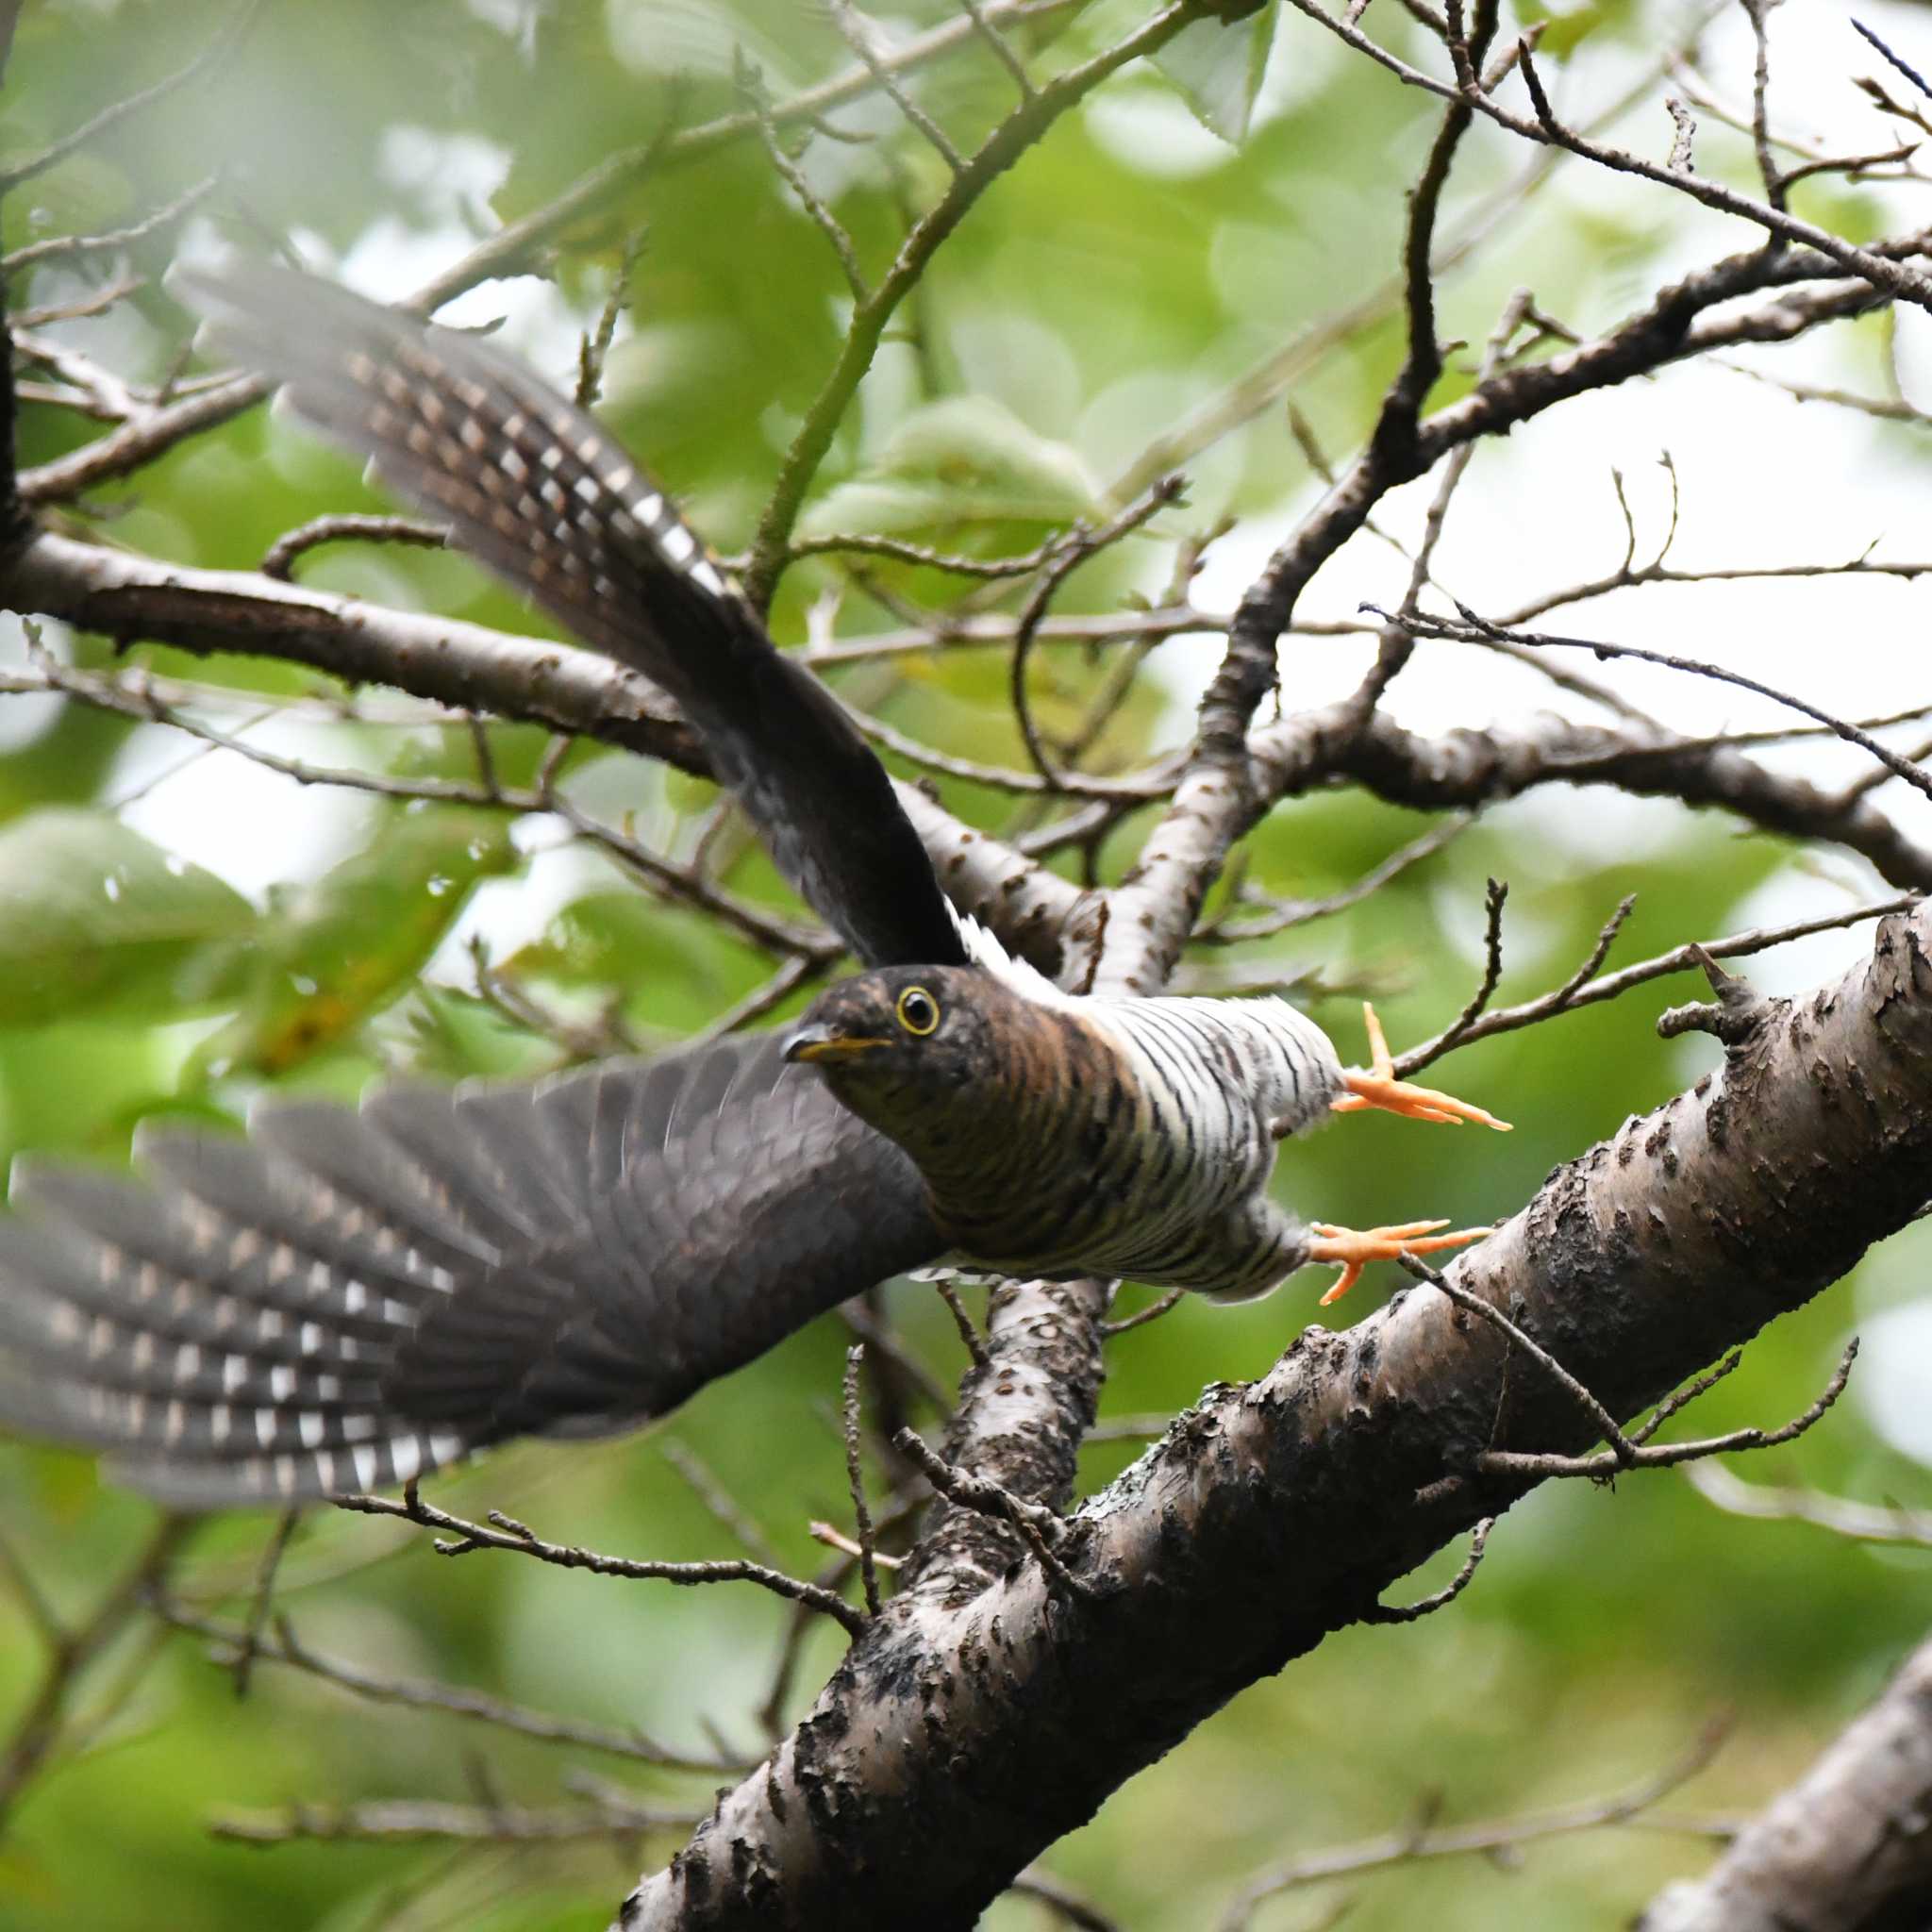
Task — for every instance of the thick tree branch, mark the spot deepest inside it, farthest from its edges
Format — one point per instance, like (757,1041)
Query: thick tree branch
(472,669)
(1467,768)
(1845,1849)
(967,1730)
(1220,798)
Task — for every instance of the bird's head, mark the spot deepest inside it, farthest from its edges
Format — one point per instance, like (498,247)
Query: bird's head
(914,1050)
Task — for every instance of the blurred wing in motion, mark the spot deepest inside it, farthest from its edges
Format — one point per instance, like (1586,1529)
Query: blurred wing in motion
(538,491)
(349,1299)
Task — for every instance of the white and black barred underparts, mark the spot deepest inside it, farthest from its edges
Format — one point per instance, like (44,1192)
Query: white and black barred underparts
(1162,1167)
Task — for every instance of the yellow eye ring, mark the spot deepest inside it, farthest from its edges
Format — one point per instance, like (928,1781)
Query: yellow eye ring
(918,1011)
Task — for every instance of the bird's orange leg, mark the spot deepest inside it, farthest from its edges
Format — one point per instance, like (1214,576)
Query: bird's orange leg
(1351,1249)
(1379,1088)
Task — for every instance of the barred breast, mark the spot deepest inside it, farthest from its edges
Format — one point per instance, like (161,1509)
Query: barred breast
(1139,1138)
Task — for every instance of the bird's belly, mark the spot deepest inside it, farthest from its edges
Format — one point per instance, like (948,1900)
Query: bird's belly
(1150,1202)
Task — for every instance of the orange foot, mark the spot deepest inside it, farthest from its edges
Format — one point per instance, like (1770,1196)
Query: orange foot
(1379,1088)
(1351,1250)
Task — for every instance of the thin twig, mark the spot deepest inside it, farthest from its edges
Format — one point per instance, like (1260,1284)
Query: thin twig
(857,30)
(421,1693)
(225,39)
(1623,1453)
(1422,1842)
(855,1479)
(1864,1522)
(1154,1310)
(65,247)
(1040,1526)
(1425,1607)
(752,86)
(594,350)
(1574,993)
(38,1729)
(1912,73)
(963,1321)
(505,1533)
(1283,913)
(834,1539)
(348,526)
(1066,1905)
(248,1643)
(413,1820)
(1027,124)
(1494,896)
(1001,46)
(1474,628)
(705,1484)
(1072,550)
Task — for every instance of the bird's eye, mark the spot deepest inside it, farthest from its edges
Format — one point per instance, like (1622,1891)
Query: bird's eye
(919,1012)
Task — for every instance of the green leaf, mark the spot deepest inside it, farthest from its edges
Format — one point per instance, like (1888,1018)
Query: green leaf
(1564,27)
(680,966)
(962,473)
(337,950)
(1216,67)
(92,913)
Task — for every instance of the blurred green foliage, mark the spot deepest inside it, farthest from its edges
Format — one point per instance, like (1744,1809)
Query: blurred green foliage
(1119,278)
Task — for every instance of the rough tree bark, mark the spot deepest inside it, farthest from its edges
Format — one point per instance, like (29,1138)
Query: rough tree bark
(1847,1849)
(975,1724)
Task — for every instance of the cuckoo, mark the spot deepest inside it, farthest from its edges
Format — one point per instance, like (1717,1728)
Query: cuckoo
(350,1298)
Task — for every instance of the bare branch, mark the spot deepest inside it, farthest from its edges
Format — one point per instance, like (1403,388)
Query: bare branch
(1473,626)
(1072,550)
(1041,1528)
(1429,1605)
(38,1730)
(1622,1455)
(1843,1847)
(1010,138)
(855,1480)
(234,1641)
(1863,1522)
(857,32)
(228,37)
(408,1820)
(505,1533)
(65,247)
(1422,1842)
(280,560)
(705,1486)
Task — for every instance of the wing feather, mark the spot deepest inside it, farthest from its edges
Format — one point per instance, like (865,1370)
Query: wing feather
(350,1299)
(533,488)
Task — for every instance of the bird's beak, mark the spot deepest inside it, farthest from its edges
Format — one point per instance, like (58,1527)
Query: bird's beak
(813,1043)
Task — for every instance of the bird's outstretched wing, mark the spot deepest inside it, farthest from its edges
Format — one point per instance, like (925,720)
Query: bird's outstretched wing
(537,491)
(349,1299)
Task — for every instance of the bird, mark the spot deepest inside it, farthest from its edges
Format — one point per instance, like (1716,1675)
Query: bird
(350,1298)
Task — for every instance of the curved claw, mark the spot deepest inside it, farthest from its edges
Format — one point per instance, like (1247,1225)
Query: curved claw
(1379,1088)
(1352,1249)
